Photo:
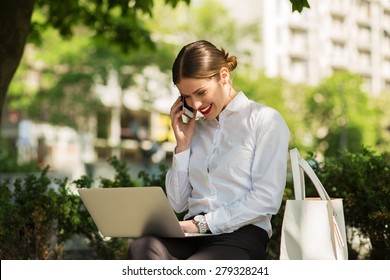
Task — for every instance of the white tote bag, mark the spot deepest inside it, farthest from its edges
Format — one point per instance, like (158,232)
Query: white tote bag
(312,228)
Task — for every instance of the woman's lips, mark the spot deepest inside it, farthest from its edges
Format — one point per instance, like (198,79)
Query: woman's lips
(205,110)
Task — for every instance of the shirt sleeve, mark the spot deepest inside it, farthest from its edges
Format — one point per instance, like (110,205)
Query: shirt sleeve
(268,179)
(177,182)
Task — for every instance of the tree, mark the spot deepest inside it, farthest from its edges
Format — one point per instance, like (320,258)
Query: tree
(287,98)
(116,21)
(382,105)
(66,70)
(14,28)
(340,115)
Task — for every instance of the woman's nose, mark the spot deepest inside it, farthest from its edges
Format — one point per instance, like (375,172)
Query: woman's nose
(195,103)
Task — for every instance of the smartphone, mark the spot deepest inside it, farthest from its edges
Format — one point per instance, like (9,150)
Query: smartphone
(188,111)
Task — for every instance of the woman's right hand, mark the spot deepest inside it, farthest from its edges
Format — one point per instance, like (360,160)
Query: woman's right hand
(183,131)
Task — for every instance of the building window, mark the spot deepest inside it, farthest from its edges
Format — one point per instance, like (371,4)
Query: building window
(338,5)
(298,40)
(364,59)
(386,42)
(337,22)
(338,53)
(298,67)
(364,9)
(386,19)
(364,34)
(387,85)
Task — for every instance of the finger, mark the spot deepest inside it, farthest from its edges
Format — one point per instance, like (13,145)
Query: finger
(176,113)
(176,107)
(178,100)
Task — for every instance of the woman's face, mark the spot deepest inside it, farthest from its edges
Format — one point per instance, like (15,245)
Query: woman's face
(208,96)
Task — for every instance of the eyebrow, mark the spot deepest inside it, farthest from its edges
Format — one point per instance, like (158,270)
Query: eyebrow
(195,92)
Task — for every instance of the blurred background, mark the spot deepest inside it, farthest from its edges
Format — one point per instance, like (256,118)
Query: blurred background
(92,92)
(76,100)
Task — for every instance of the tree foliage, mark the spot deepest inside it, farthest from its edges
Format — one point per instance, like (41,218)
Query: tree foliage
(382,105)
(298,5)
(117,22)
(66,72)
(68,69)
(362,179)
(340,114)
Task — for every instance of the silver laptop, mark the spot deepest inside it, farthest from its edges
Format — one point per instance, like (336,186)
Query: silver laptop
(131,212)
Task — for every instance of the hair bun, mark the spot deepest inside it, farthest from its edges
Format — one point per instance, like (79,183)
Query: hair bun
(230,60)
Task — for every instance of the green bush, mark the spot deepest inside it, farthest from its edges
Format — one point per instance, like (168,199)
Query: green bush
(9,159)
(362,179)
(105,248)
(27,217)
(38,215)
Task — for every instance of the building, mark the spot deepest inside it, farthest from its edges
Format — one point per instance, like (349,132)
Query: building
(305,47)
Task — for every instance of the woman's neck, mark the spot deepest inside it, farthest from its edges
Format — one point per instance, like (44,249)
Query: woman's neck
(230,96)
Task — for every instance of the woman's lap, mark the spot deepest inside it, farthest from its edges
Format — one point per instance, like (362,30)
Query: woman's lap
(249,242)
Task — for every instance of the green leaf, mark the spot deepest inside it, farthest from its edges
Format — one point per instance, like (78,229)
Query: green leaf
(298,5)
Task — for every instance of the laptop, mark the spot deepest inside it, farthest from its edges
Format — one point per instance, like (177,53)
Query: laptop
(132,212)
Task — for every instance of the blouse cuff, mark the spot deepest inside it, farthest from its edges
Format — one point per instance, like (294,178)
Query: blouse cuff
(181,160)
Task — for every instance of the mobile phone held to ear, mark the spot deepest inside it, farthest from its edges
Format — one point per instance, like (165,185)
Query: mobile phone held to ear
(188,111)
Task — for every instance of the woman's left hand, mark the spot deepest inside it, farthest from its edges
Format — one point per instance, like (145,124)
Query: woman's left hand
(189,226)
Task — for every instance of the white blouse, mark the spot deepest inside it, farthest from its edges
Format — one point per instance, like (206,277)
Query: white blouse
(235,169)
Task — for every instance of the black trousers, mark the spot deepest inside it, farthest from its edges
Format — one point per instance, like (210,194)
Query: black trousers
(247,243)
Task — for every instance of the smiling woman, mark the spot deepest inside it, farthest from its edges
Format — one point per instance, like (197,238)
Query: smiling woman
(228,169)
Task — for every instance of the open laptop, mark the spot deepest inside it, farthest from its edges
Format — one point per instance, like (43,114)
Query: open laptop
(131,212)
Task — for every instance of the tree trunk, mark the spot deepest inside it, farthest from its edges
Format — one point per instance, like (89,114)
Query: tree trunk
(15,22)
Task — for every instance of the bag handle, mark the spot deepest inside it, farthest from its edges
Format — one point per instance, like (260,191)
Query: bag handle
(299,166)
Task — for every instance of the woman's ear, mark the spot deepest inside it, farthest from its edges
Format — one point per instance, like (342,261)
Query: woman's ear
(224,75)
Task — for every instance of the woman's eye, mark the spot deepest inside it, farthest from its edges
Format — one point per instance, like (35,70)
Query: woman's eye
(203,92)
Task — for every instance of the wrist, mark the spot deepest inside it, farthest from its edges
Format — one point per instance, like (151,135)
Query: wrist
(201,223)
(179,149)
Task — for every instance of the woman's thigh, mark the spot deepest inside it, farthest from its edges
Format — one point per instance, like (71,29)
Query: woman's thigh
(248,242)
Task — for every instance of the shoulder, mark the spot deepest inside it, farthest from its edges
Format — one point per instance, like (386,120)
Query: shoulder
(261,113)
(265,120)
(255,109)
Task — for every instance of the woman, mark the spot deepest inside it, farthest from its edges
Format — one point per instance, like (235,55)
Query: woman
(228,169)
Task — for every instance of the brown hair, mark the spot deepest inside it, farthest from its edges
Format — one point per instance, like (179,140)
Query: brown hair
(200,60)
